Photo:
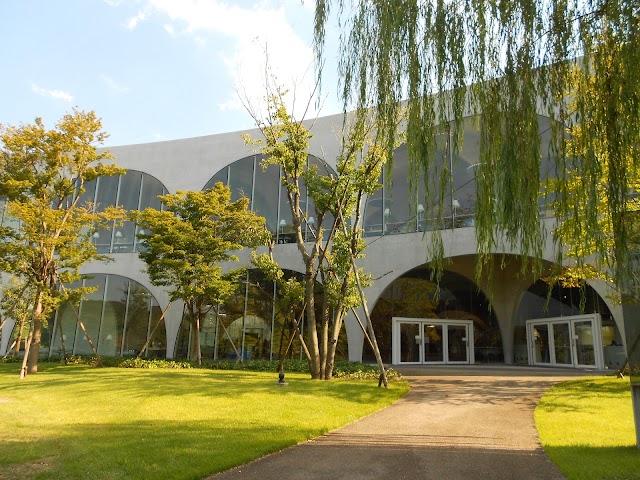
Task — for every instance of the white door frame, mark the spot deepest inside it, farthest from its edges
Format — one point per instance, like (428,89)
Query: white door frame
(395,338)
(596,324)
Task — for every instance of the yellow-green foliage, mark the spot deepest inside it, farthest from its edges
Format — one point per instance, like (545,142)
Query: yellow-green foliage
(586,427)
(109,423)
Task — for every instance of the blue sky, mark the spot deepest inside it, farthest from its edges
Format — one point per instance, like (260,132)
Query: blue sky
(152,69)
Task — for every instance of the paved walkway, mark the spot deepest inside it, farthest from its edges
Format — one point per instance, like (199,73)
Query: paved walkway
(455,423)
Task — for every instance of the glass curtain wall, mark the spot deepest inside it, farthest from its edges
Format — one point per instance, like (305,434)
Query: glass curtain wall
(119,316)
(255,323)
(540,301)
(133,191)
(268,197)
(401,206)
(413,295)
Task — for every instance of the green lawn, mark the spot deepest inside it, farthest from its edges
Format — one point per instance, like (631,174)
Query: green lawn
(586,427)
(110,423)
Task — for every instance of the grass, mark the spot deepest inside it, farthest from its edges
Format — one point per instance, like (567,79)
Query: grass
(586,427)
(78,422)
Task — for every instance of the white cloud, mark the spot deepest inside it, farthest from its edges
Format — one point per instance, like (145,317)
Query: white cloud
(113,85)
(132,23)
(170,30)
(249,32)
(56,94)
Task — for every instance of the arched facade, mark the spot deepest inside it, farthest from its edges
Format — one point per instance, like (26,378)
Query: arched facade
(268,198)
(120,316)
(254,323)
(398,223)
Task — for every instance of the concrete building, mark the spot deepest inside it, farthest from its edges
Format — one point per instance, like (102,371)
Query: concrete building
(517,321)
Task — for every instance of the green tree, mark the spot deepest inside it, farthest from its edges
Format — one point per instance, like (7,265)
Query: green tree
(330,253)
(504,61)
(186,244)
(42,178)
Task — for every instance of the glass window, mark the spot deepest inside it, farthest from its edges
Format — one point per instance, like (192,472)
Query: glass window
(90,314)
(221,176)
(117,322)
(246,177)
(151,189)
(88,196)
(132,191)
(157,335)
(112,326)
(241,178)
(138,312)
(266,194)
(66,322)
(413,295)
(539,302)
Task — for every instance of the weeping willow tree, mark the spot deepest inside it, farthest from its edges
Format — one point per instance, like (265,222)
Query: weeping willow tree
(506,62)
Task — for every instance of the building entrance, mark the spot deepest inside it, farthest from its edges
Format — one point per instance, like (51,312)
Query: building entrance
(432,341)
(566,341)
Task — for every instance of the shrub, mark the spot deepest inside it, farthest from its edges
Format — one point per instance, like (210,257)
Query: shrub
(342,368)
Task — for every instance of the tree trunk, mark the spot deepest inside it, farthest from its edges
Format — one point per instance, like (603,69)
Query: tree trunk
(314,366)
(331,360)
(34,343)
(196,355)
(325,337)
(146,344)
(82,327)
(23,368)
(295,322)
(19,336)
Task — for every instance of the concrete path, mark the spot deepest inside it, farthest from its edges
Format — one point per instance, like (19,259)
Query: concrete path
(455,423)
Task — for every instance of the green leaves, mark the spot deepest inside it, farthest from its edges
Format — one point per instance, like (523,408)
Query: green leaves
(508,63)
(189,241)
(47,234)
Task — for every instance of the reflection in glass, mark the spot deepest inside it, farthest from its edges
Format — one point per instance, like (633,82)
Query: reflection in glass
(433,343)
(410,342)
(562,343)
(538,303)
(584,343)
(413,295)
(256,322)
(457,343)
(541,344)
(117,318)
(90,313)
(246,177)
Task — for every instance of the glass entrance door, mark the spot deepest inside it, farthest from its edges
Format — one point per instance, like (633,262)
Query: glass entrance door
(565,341)
(418,341)
(433,343)
(584,343)
(540,334)
(410,341)
(457,351)
(562,343)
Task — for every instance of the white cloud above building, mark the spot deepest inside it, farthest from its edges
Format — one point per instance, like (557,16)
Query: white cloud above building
(52,93)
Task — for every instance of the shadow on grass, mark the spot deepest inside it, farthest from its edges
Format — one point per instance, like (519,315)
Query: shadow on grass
(597,463)
(171,383)
(568,396)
